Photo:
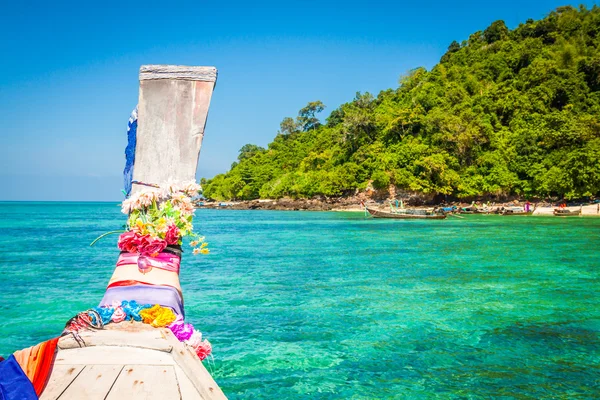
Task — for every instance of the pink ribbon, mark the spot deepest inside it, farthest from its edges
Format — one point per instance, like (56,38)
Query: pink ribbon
(166,261)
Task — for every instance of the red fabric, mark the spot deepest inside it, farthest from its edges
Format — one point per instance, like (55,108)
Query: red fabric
(36,362)
(45,360)
(131,282)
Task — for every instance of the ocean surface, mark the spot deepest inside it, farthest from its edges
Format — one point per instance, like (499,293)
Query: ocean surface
(333,305)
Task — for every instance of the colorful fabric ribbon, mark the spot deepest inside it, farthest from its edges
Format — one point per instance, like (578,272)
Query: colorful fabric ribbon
(165,296)
(164,260)
(14,384)
(36,362)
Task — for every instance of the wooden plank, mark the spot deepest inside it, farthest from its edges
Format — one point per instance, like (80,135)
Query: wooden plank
(181,72)
(60,379)
(112,355)
(171,119)
(149,339)
(193,368)
(145,382)
(93,383)
(186,387)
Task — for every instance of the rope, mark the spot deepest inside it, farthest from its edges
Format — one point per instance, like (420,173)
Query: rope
(154,185)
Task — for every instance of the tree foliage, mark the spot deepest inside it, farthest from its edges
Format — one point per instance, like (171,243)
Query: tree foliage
(506,112)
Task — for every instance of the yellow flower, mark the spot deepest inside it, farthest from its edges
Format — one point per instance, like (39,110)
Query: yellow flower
(141,227)
(203,245)
(157,316)
(204,251)
(161,225)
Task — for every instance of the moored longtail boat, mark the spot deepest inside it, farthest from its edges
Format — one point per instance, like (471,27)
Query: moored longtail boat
(405,214)
(135,344)
(516,211)
(563,212)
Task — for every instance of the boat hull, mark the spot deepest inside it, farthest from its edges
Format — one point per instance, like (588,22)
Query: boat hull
(567,213)
(383,214)
(524,213)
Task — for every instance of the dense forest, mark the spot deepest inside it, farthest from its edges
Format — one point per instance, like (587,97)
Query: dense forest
(506,112)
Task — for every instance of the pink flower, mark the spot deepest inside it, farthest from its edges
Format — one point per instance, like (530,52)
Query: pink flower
(203,350)
(195,340)
(119,315)
(129,241)
(172,235)
(181,330)
(201,347)
(150,246)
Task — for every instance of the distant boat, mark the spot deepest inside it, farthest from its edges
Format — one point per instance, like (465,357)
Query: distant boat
(563,212)
(405,214)
(517,211)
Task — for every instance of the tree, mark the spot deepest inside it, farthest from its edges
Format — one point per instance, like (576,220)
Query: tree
(496,31)
(248,151)
(504,113)
(288,126)
(307,119)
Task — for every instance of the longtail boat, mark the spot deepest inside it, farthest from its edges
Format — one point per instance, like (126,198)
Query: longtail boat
(563,212)
(134,344)
(405,214)
(515,211)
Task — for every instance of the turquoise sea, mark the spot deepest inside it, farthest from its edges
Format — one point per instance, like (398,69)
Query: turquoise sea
(332,305)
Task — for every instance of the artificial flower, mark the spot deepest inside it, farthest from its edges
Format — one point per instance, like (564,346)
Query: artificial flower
(196,251)
(159,217)
(201,347)
(129,241)
(118,315)
(195,339)
(180,329)
(203,350)
(172,235)
(158,316)
(150,246)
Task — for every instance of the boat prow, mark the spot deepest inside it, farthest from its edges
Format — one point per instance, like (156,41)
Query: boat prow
(128,360)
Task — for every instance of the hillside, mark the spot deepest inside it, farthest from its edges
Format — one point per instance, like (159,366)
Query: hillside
(503,113)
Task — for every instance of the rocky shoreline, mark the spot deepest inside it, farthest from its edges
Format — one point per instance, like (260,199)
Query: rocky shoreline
(354,204)
(288,205)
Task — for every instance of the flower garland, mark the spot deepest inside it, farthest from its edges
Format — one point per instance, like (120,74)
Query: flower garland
(154,315)
(159,217)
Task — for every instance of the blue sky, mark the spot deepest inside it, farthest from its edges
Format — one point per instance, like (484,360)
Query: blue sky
(69,73)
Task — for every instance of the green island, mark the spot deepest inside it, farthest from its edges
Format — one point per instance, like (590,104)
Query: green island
(504,113)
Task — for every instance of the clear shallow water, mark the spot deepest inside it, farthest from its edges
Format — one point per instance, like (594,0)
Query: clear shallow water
(329,305)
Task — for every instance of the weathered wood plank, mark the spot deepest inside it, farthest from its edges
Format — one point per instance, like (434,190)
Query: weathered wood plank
(112,355)
(187,389)
(145,382)
(146,339)
(194,369)
(181,72)
(171,119)
(60,379)
(93,383)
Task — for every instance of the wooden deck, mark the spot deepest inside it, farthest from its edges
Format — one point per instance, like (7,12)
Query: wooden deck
(129,360)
